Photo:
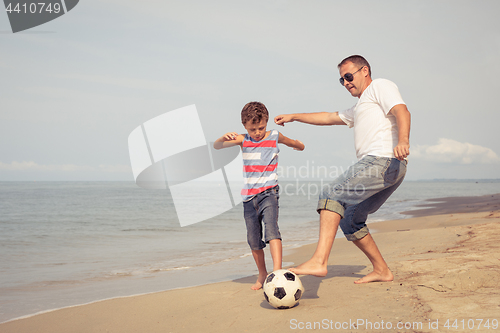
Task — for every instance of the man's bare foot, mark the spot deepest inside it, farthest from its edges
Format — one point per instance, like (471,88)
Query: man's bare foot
(259,282)
(384,276)
(310,268)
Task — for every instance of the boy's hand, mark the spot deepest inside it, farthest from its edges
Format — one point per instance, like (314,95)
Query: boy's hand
(229,136)
(299,145)
(229,139)
(295,144)
(282,119)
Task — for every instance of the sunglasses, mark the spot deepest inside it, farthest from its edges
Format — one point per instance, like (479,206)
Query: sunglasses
(348,76)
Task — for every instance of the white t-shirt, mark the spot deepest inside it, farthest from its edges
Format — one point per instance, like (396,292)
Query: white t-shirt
(375,129)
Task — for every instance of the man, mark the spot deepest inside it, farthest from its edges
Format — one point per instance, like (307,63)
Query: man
(381,124)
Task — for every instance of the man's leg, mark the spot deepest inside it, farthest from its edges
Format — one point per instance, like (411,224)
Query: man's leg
(332,202)
(381,272)
(317,265)
(354,227)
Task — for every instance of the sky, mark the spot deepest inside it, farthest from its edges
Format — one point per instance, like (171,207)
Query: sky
(73,89)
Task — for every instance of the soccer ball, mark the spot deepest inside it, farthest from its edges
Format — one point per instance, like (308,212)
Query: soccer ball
(283,289)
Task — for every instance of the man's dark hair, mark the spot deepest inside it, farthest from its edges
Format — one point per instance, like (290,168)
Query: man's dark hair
(254,112)
(358,61)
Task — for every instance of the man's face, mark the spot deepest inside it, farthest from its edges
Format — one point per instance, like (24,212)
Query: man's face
(360,81)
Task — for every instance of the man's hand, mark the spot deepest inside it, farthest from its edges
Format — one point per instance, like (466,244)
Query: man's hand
(401,151)
(282,119)
(403,119)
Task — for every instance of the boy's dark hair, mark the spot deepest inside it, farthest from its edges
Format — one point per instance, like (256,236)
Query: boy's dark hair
(254,112)
(357,60)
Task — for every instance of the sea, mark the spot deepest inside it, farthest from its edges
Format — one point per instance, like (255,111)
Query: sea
(64,244)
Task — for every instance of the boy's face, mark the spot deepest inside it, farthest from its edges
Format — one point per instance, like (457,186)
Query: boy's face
(257,131)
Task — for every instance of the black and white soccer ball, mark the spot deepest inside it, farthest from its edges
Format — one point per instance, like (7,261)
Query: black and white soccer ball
(283,289)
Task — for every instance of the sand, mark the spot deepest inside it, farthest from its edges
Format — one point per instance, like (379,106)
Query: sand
(446,264)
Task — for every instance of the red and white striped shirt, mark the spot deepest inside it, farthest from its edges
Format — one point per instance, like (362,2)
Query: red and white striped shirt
(260,163)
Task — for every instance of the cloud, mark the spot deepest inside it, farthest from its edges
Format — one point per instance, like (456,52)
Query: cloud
(32,166)
(451,151)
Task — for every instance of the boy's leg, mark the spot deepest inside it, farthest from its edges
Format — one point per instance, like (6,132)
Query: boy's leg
(381,272)
(269,212)
(254,238)
(317,265)
(276,253)
(258,256)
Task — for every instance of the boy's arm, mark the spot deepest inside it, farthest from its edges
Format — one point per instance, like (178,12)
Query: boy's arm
(295,144)
(315,118)
(403,119)
(229,140)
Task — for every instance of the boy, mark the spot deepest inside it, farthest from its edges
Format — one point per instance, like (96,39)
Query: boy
(260,190)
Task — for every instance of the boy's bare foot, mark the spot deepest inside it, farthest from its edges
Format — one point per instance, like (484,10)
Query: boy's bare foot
(384,276)
(310,267)
(257,286)
(259,282)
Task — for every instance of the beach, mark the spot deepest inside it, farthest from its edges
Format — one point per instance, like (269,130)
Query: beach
(446,263)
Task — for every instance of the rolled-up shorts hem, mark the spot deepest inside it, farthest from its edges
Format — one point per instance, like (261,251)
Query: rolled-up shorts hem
(257,248)
(263,244)
(361,233)
(331,205)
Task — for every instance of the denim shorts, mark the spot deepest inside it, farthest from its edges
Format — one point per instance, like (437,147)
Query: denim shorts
(360,191)
(262,208)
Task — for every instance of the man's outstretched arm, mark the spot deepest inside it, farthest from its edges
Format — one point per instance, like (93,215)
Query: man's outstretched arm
(316,118)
